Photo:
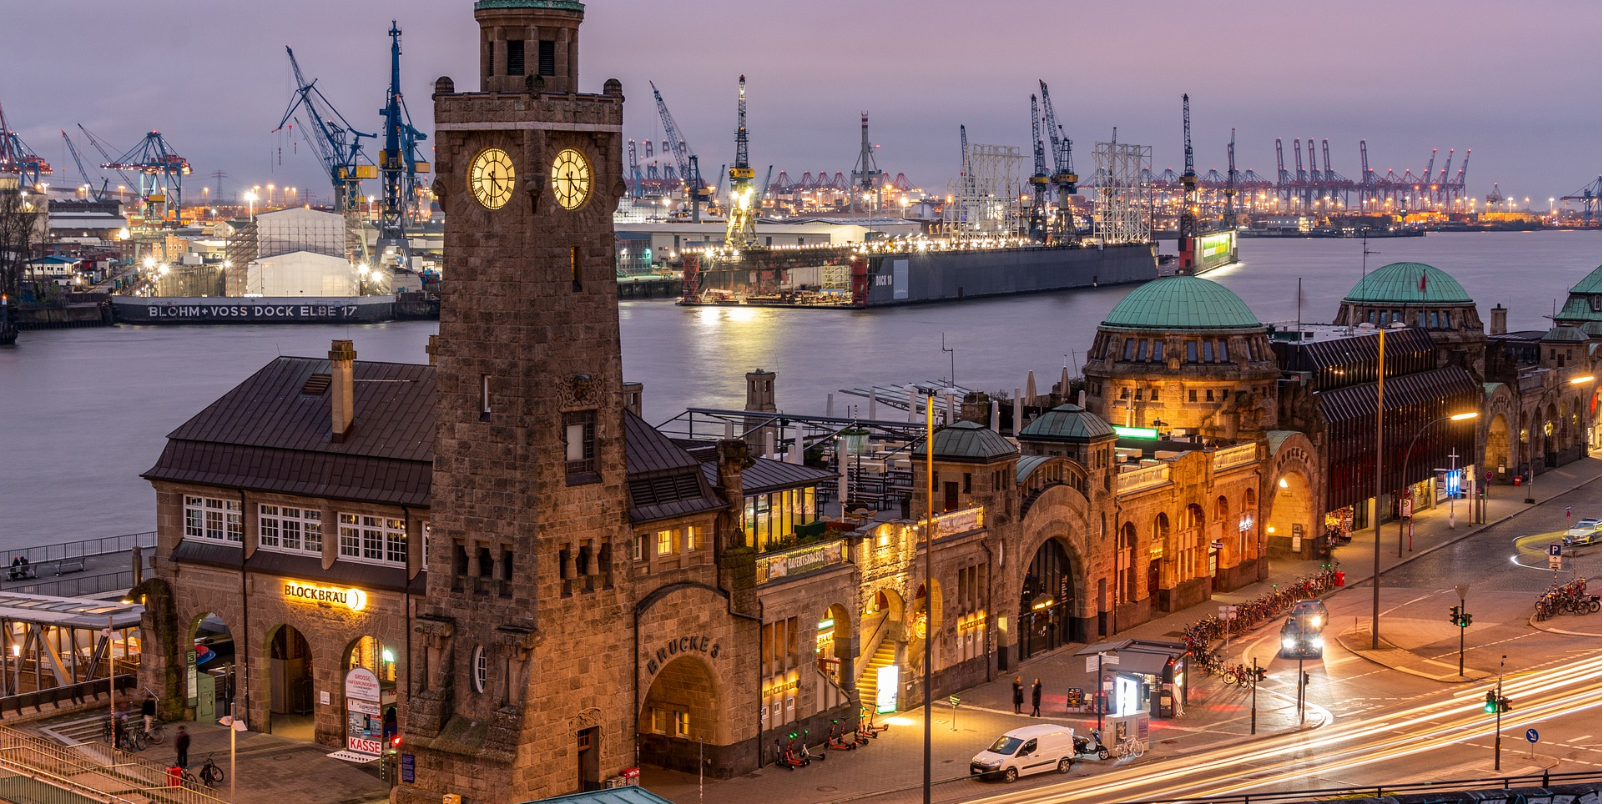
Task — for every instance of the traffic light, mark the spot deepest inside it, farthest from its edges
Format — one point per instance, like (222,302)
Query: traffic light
(1490,703)
(1260,673)
(395,742)
(1503,705)
(1453,615)
(1306,679)
(1464,619)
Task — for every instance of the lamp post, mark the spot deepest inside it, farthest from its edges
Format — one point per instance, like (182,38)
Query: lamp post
(930,592)
(1404,470)
(1531,497)
(1375,506)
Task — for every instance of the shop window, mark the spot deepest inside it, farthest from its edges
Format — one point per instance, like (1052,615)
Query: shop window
(290,530)
(579,439)
(213,519)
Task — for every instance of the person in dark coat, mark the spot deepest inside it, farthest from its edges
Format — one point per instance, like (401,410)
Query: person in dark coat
(1019,695)
(182,744)
(1035,699)
(147,710)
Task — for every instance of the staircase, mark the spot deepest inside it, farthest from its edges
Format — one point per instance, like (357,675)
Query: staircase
(869,680)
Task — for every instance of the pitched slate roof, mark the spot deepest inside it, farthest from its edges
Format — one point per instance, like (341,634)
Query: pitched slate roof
(665,481)
(1400,283)
(272,433)
(768,475)
(1182,303)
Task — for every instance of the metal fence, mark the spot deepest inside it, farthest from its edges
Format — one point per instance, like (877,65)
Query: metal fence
(97,767)
(83,548)
(78,586)
(33,703)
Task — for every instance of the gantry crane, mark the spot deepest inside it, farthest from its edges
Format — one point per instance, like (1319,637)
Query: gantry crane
(95,194)
(339,147)
(1039,177)
(697,192)
(866,175)
(1186,227)
(1589,197)
(1063,177)
(741,231)
(399,165)
(105,153)
(161,173)
(1230,181)
(16,157)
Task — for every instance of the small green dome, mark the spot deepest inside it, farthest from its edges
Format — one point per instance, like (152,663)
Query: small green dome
(1182,303)
(968,441)
(1564,335)
(1067,423)
(1408,283)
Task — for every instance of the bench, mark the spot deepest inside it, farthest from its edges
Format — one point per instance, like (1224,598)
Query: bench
(70,565)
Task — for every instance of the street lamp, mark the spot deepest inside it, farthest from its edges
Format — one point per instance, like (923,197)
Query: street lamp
(1375,503)
(250,198)
(1404,470)
(1531,498)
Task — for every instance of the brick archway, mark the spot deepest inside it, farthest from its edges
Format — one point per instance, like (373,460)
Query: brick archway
(681,712)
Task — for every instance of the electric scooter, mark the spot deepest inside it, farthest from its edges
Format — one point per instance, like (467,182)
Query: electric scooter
(785,756)
(838,738)
(807,755)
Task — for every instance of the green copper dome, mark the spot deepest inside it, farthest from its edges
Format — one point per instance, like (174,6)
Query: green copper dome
(1408,283)
(1182,303)
(970,442)
(1067,423)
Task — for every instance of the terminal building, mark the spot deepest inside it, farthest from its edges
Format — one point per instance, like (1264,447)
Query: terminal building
(493,557)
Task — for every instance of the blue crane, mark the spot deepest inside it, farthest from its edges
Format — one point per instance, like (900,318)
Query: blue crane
(337,143)
(16,157)
(161,174)
(78,159)
(399,164)
(696,191)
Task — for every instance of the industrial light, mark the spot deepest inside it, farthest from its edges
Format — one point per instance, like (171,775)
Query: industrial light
(1459,417)
(1581,380)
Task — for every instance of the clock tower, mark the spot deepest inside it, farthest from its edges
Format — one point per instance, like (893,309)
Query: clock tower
(521,653)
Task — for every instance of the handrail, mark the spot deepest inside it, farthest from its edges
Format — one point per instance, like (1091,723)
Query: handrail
(797,560)
(54,695)
(62,783)
(84,547)
(865,655)
(1235,456)
(1142,479)
(77,585)
(147,778)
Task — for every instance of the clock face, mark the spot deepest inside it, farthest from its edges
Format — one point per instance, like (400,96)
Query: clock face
(490,178)
(570,178)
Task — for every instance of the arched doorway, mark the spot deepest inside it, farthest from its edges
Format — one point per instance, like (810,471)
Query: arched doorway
(924,622)
(1291,511)
(1158,557)
(369,721)
(1497,451)
(1044,600)
(679,714)
(210,679)
(833,647)
(290,684)
(1246,525)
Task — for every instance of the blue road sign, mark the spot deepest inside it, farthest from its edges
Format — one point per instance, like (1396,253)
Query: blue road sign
(1553,549)
(1531,735)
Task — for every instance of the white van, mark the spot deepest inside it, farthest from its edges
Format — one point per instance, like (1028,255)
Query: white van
(1021,752)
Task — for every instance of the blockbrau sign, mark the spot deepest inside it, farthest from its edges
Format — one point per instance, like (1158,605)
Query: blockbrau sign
(353,599)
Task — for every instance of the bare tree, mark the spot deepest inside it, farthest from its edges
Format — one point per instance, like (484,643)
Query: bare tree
(19,230)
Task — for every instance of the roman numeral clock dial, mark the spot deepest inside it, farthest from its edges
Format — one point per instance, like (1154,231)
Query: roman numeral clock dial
(490,178)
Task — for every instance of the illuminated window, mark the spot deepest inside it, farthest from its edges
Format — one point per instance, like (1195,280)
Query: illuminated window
(290,530)
(573,266)
(665,542)
(690,538)
(373,539)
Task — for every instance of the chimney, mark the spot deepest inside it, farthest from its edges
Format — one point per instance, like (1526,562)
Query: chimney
(1500,323)
(433,349)
(632,395)
(342,359)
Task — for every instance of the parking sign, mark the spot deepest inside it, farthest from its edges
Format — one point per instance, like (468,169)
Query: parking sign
(1553,550)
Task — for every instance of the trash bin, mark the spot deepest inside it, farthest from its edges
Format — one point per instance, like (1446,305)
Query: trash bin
(1341,577)
(175,776)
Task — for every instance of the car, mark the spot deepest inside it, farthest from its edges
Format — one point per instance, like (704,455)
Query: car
(1298,641)
(1021,752)
(1311,615)
(1586,531)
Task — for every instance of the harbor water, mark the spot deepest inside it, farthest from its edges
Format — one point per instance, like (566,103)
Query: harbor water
(84,411)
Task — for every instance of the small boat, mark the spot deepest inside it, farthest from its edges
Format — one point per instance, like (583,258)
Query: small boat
(8,328)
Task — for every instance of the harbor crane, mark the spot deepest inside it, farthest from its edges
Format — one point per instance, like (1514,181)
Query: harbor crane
(160,172)
(1063,177)
(866,175)
(399,165)
(105,153)
(1038,177)
(1588,196)
(1230,181)
(16,157)
(697,192)
(78,159)
(741,230)
(339,147)
(1187,225)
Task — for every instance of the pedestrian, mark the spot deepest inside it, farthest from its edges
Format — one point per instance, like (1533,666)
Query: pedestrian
(182,744)
(1019,695)
(1035,699)
(147,709)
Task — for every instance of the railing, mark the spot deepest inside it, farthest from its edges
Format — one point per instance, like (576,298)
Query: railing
(797,560)
(1142,479)
(1235,456)
(84,547)
(48,788)
(1441,791)
(126,775)
(85,586)
(74,693)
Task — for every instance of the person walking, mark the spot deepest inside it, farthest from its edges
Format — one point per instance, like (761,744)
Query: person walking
(1035,699)
(147,710)
(1019,695)
(182,744)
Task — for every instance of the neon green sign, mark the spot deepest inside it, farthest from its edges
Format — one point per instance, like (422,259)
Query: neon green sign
(1135,432)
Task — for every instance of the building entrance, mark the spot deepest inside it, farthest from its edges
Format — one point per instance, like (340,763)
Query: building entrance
(681,712)
(1044,601)
(290,684)
(209,671)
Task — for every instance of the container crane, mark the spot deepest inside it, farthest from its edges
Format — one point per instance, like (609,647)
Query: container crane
(1283,180)
(16,157)
(1589,197)
(78,159)
(161,173)
(339,148)
(741,230)
(1063,177)
(399,165)
(697,192)
(1038,178)
(1186,240)
(1230,181)
(866,175)
(105,153)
